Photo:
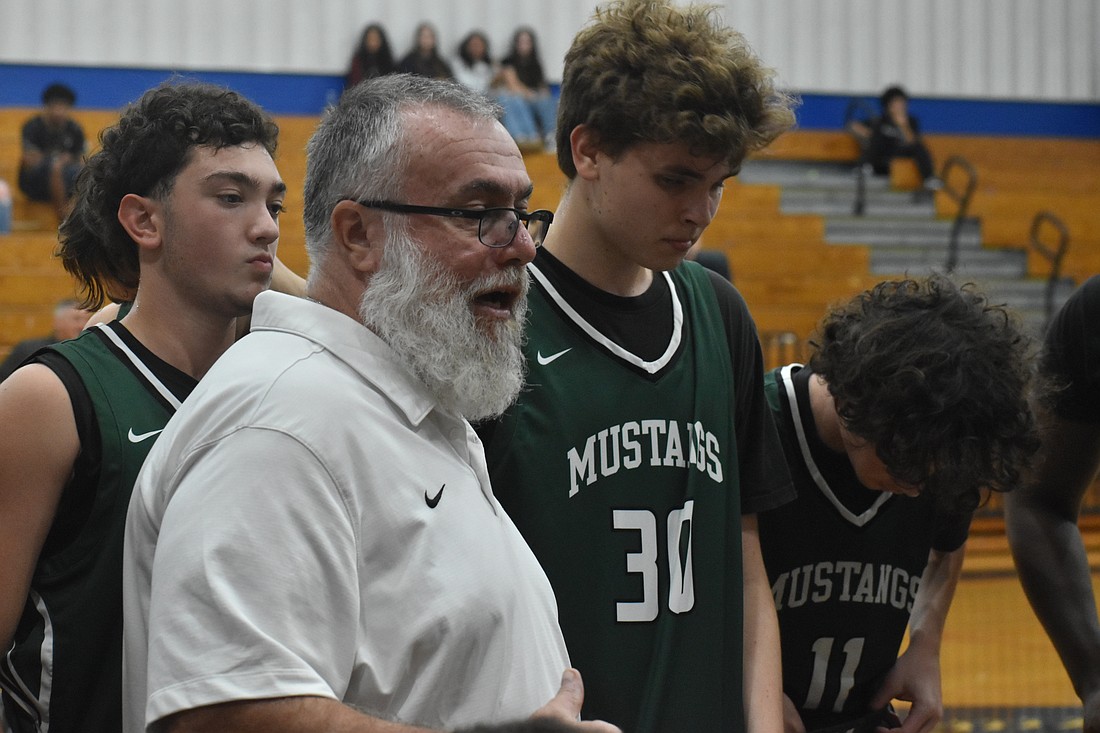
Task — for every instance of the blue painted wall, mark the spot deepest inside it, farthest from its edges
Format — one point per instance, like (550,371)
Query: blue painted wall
(303,94)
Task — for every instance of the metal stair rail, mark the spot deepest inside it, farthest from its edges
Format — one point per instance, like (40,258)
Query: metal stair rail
(962,199)
(1055,255)
(781,348)
(859,113)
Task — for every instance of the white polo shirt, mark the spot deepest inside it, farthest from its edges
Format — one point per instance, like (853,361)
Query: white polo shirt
(311,522)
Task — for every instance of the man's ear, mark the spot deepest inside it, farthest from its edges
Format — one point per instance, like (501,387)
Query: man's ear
(359,234)
(584,144)
(140,217)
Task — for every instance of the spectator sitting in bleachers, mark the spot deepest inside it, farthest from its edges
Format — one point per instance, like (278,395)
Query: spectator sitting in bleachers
(424,58)
(474,66)
(372,56)
(533,120)
(896,134)
(53,149)
(68,320)
(5,207)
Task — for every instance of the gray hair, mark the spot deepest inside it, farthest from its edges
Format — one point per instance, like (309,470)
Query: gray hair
(359,149)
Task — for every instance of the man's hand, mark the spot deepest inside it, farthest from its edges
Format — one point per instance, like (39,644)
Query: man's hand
(792,721)
(916,678)
(566,706)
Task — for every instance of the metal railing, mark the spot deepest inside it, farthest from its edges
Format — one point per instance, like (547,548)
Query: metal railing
(858,115)
(782,347)
(962,199)
(1054,255)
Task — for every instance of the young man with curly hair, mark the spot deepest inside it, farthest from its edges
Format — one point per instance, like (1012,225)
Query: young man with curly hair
(642,448)
(181,206)
(914,402)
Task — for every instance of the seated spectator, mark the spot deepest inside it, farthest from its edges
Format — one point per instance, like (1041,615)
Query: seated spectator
(533,120)
(68,320)
(474,66)
(372,56)
(424,58)
(896,134)
(5,209)
(53,148)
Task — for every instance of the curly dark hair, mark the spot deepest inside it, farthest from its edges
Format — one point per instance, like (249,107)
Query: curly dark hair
(938,380)
(648,71)
(142,154)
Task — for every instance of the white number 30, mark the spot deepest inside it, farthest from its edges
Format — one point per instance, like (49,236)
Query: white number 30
(681,585)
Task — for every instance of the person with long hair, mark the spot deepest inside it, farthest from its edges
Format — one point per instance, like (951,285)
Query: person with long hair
(530,107)
(423,58)
(372,56)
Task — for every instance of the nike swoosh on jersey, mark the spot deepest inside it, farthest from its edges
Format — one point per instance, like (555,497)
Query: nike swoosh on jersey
(138,437)
(544,360)
(432,501)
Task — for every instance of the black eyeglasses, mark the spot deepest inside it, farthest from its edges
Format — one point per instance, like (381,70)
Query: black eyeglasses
(496,227)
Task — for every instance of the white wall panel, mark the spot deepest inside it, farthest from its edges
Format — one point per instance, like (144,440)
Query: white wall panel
(1042,49)
(1001,49)
(1081,65)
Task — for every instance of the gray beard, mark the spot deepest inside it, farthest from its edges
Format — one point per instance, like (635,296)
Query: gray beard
(425,315)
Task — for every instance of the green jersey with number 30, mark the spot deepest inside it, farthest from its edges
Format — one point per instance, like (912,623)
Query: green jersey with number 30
(623,475)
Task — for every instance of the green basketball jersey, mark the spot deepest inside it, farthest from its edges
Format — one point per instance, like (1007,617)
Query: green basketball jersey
(622,474)
(64,671)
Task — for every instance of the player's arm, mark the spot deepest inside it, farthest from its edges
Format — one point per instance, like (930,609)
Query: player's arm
(32,152)
(916,675)
(763,678)
(36,458)
(323,714)
(1041,519)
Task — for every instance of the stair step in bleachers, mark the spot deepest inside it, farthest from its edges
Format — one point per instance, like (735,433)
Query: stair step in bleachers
(841,202)
(901,231)
(972,263)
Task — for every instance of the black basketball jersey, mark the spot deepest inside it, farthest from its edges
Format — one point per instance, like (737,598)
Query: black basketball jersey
(845,564)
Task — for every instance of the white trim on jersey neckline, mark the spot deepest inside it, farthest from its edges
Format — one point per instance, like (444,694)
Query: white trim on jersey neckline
(650,367)
(859,520)
(140,366)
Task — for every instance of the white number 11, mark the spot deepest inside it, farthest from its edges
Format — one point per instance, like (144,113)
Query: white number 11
(823,649)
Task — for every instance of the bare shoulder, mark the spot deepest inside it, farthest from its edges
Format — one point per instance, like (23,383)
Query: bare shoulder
(37,418)
(105,314)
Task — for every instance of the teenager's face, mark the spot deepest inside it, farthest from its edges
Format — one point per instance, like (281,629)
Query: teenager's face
(221,228)
(425,39)
(524,43)
(373,41)
(652,202)
(476,47)
(869,468)
(898,107)
(57,113)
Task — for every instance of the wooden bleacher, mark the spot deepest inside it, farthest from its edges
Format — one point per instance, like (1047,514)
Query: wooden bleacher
(782,265)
